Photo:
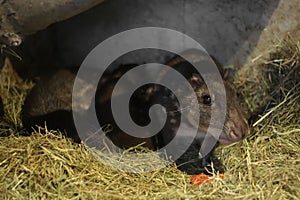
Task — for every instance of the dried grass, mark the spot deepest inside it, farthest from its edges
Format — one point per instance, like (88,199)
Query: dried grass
(264,166)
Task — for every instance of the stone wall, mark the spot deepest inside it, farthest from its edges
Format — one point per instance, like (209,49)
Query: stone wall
(232,31)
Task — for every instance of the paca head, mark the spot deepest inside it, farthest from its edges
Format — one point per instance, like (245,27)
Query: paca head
(235,127)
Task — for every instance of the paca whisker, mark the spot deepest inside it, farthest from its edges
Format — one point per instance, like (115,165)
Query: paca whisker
(183,109)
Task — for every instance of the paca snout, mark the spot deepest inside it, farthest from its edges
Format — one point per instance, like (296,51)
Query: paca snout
(236,127)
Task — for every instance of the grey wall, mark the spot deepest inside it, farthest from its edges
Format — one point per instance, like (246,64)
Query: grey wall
(224,27)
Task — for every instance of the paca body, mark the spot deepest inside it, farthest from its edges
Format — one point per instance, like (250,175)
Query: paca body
(50,100)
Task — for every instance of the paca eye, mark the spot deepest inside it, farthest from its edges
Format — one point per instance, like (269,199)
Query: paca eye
(206,99)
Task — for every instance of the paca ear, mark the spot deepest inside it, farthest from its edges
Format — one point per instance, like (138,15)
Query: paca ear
(229,74)
(220,67)
(196,81)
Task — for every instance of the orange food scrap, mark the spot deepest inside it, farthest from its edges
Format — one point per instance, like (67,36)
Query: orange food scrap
(221,175)
(203,178)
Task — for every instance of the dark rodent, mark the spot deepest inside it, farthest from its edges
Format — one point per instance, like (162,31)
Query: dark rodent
(50,101)
(236,125)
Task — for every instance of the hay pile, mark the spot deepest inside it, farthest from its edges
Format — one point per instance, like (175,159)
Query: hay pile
(264,166)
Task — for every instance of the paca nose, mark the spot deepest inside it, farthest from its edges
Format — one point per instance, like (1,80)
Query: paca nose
(234,136)
(236,128)
(234,133)
(237,132)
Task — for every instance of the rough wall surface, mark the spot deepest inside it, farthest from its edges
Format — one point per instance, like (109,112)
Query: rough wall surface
(230,30)
(19,17)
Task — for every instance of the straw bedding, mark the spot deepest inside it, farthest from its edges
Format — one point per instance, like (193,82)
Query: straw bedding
(266,165)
